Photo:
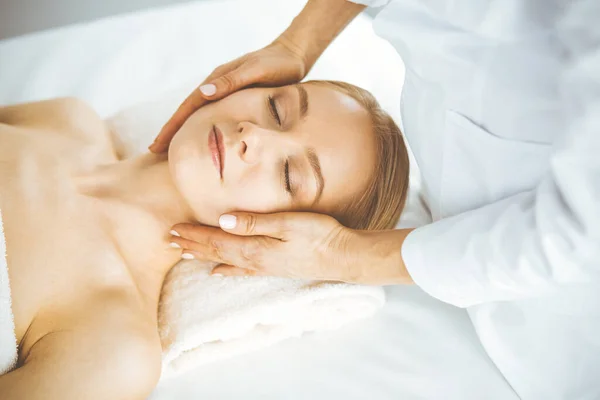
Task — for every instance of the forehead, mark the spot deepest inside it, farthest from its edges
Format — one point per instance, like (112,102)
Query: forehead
(340,130)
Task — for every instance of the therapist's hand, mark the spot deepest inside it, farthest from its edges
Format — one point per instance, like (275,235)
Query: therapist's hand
(296,245)
(287,60)
(280,63)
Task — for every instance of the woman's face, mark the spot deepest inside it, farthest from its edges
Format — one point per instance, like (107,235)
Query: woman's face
(298,147)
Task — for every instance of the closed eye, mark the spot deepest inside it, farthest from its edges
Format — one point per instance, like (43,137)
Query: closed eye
(273,110)
(286,171)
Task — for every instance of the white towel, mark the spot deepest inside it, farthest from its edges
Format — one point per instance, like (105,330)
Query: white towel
(203,319)
(8,341)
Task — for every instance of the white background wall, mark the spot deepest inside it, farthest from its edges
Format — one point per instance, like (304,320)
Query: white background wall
(18,17)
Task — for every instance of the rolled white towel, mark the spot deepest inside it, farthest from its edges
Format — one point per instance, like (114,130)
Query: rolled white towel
(203,319)
(8,341)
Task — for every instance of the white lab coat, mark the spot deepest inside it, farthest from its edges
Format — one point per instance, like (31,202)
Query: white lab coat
(501,107)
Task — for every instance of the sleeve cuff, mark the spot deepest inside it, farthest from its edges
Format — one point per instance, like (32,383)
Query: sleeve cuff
(427,262)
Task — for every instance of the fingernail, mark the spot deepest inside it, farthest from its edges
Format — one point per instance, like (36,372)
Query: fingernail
(208,89)
(175,245)
(217,275)
(174,233)
(187,256)
(227,221)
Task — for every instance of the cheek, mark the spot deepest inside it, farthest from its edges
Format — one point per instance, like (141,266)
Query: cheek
(191,175)
(185,157)
(188,176)
(254,193)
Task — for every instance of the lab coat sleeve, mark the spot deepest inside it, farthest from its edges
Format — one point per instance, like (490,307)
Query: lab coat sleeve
(536,241)
(371,3)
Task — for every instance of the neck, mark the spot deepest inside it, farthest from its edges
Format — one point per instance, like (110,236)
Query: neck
(139,203)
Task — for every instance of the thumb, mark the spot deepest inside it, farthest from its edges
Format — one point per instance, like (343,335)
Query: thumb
(249,224)
(230,82)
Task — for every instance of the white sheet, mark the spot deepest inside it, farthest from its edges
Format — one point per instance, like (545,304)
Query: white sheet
(416,348)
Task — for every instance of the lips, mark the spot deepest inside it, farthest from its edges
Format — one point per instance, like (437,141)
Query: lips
(217,150)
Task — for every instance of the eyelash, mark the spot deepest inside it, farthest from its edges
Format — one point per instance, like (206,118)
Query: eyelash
(273,110)
(286,170)
(286,167)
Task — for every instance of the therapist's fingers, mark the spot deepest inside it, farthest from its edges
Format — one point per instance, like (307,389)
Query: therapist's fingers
(277,64)
(193,102)
(249,224)
(214,244)
(230,82)
(204,94)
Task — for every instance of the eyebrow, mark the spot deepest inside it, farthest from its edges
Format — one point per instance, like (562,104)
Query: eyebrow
(313,160)
(303,97)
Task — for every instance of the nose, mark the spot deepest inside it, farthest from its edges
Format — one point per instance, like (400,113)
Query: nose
(256,142)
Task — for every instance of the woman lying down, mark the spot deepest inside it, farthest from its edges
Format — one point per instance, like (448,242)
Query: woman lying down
(87,228)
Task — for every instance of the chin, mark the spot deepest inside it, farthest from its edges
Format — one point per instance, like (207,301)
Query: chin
(187,176)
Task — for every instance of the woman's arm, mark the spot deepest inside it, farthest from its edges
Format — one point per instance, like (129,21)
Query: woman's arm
(297,245)
(313,30)
(85,364)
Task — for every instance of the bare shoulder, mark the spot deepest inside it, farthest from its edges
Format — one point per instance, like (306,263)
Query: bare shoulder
(109,351)
(68,115)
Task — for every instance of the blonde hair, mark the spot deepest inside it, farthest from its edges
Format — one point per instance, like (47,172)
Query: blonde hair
(379,205)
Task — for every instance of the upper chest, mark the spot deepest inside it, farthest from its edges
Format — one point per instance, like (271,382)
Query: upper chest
(58,252)
(38,193)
